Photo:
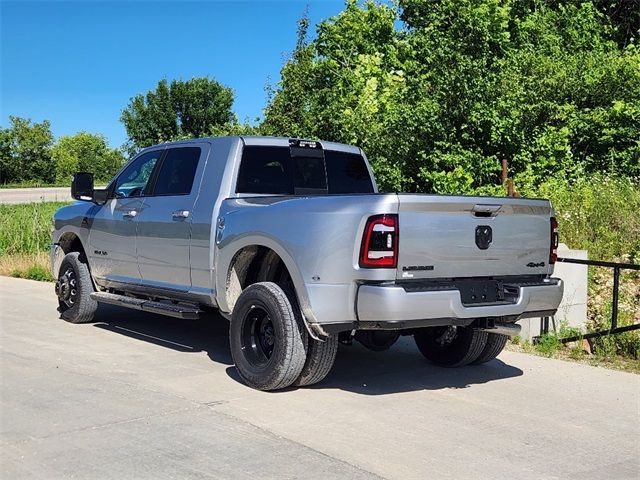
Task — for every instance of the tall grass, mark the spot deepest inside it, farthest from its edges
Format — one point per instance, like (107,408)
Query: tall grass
(26,228)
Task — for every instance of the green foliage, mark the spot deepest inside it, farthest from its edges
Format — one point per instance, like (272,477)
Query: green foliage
(85,152)
(183,109)
(34,272)
(25,151)
(548,344)
(34,184)
(232,129)
(553,87)
(625,344)
(29,157)
(26,228)
(598,213)
(600,305)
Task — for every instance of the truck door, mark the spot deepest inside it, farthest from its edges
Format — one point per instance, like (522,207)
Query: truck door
(164,225)
(112,234)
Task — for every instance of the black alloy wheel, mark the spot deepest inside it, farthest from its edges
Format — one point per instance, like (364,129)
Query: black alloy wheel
(267,336)
(73,289)
(66,288)
(258,336)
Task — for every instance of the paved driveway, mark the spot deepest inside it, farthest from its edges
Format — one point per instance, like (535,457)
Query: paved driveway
(141,396)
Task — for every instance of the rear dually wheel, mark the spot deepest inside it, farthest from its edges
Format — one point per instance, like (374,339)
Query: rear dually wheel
(451,346)
(268,339)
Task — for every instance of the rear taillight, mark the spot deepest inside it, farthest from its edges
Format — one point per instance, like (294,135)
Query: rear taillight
(553,248)
(380,242)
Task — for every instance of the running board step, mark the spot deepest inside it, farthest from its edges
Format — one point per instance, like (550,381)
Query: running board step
(170,309)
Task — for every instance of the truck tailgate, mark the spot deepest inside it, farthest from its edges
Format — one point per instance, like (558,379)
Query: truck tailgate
(456,237)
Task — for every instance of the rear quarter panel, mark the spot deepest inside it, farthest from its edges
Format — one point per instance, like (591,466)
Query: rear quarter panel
(318,238)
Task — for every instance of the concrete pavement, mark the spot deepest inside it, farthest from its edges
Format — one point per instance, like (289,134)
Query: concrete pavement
(29,195)
(141,396)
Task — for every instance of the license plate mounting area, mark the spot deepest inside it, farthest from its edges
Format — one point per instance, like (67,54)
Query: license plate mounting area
(473,292)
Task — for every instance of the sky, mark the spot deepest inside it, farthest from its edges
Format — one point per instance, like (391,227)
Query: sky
(77,64)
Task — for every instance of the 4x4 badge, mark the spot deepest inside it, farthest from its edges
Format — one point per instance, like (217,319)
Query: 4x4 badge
(535,265)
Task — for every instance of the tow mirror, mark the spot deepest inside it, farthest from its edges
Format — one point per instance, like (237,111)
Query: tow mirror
(82,186)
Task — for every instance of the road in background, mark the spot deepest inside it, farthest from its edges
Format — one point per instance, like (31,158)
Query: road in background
(29,195)
(141,396)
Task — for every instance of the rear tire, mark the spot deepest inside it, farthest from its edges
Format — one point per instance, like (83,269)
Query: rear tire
(451,346)
(320,359)
(495,344)
(268,339)
(74,288)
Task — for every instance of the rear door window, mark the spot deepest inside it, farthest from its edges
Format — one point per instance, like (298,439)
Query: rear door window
(177,171)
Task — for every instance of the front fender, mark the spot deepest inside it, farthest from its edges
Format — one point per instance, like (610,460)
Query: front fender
(69,223)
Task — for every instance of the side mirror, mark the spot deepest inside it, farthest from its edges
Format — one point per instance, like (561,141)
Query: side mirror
(82,186)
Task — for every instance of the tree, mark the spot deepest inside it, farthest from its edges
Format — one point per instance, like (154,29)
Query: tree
(553,87)
(182,109)
(85,152)
(25,152)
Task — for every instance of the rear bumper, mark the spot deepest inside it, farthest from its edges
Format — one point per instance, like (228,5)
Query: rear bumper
(394,306)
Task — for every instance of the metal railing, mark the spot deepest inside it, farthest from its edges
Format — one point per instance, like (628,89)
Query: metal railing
(617,267)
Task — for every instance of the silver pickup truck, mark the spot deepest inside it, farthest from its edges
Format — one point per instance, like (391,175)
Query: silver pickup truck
(290,240)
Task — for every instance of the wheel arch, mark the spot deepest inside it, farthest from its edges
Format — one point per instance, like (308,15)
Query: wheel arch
(67,241)
(238,267)
(70,242)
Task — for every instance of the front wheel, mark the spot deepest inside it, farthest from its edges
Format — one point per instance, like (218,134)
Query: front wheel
(74,288)
(451,346)
(268,339)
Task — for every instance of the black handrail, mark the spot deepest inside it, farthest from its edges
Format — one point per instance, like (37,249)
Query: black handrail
(616,266)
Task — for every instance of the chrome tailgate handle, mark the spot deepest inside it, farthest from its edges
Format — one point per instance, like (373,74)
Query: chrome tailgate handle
(180,214)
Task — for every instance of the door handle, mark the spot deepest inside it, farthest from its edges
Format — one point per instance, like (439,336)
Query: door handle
(129,214)
(180,214)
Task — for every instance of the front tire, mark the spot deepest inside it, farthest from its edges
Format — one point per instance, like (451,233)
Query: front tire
(451,346)
(267,337)
(74,288)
